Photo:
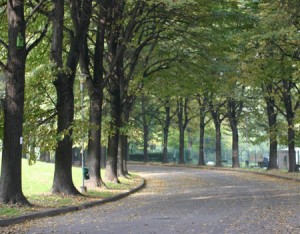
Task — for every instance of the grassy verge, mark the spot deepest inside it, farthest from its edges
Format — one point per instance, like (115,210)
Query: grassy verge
(37,181)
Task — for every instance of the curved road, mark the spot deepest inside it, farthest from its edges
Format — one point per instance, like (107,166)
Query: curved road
(182,200)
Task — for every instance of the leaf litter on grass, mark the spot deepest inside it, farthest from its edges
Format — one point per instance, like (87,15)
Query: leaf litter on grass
(45,201)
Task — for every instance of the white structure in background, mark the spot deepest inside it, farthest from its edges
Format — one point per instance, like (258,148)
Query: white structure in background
(283,158)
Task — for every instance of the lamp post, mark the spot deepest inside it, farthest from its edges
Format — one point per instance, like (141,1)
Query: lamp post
(82,80)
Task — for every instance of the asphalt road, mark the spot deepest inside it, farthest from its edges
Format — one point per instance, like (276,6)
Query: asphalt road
(182,200)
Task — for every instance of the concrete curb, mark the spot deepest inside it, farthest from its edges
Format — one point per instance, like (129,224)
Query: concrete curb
(64,210)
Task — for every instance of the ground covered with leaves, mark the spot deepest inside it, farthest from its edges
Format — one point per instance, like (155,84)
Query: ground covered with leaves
(46,201)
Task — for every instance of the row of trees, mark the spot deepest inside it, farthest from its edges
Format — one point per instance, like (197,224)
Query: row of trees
(218,57)
(250,83)
(111,42)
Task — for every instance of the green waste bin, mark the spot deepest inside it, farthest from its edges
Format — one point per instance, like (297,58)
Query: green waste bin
(85,172)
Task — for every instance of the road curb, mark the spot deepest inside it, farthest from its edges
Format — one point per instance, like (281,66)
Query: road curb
(68,209)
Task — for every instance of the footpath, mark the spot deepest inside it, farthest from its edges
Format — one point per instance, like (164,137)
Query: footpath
(58,211)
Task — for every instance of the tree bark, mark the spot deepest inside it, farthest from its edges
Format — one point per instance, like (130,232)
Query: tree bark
(218,144)
(94,142)
(62,182)
(203,105)
(11,173)
(125,148)
(126,156)
(233,119)
(121,155)
(235,146)
(181,126)
(217,123)
(145,130)
(201,161)
(111,172)
(165,146)
(272,121)
(291,147)
(290,117)
(166,132)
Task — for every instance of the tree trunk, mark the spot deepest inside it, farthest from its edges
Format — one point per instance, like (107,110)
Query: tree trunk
(125,148)
(181,146)
(201,161)
(235,146)
(11,174)
(181,131)
(145,144)
(62,182)
(272,121)
(121,155)
(126,155)
(290,116)
(291,146)
(94,142)
(234,109)
(217,123)
(166,133)
(218,144)
(203,105)
(111,172)
(165,145)
(145,130)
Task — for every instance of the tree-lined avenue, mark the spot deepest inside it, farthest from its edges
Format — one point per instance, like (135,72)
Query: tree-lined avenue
(184,200)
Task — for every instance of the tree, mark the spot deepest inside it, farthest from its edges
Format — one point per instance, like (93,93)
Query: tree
(272,121)
(95,84)
(64,81)
(203,110)
(276,58)
(217,112)
(166,125)
(11,187)
(17,52)
(184,117)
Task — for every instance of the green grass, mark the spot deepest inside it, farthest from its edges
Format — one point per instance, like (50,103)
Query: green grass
(7,211)
(37,181)
(36,178)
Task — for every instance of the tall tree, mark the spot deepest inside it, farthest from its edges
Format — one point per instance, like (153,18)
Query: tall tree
(64,80)
(95,85)
(203,110)
(183,120)
(14,72)
(11,186)
(272,121)
(217,113)
(166,125)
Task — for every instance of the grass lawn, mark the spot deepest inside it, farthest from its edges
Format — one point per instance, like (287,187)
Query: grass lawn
(37,181)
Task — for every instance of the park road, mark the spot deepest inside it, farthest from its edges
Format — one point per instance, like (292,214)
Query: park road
(185,200)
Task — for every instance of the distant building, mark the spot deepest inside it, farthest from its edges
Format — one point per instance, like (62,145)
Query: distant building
(283,158)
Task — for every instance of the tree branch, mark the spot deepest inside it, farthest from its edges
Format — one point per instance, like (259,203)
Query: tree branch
(35,9)
(39,39)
